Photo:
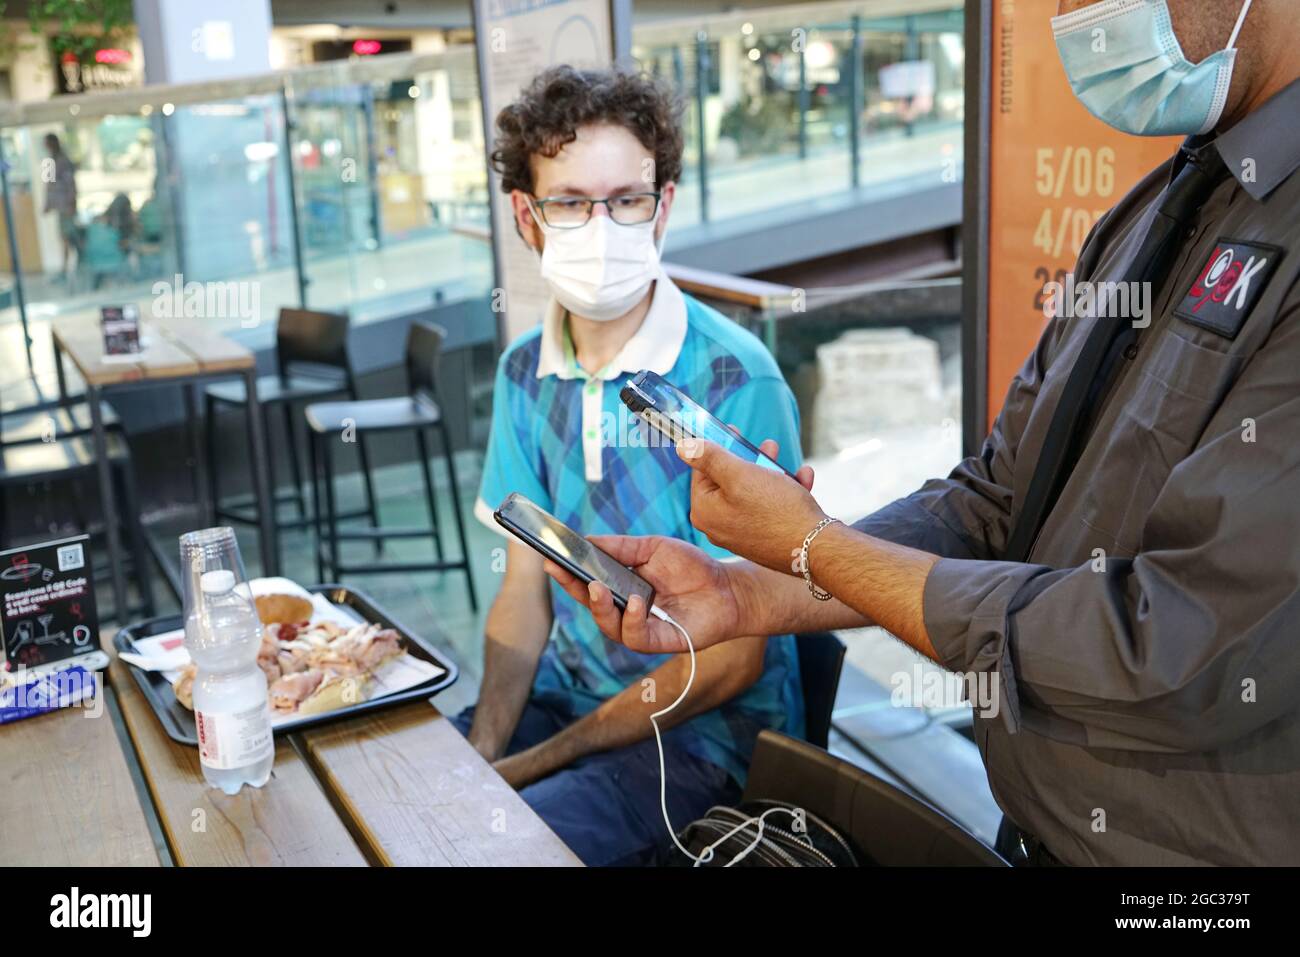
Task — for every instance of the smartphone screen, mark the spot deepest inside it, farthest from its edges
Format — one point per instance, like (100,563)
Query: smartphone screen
(675,415)
(555,540)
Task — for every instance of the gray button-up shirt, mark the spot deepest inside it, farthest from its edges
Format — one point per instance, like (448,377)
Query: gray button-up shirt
(1148,653)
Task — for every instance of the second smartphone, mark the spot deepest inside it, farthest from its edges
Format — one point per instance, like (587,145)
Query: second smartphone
(555,540)
(676,416)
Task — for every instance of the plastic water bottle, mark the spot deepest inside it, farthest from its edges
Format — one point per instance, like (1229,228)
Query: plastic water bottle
(223,635)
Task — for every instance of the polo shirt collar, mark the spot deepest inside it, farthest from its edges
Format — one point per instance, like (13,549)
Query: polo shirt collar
(1263,149)
(654,346)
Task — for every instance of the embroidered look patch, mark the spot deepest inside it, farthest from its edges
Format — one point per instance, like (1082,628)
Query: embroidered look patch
(1229,286)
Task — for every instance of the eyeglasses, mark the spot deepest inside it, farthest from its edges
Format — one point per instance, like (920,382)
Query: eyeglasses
(570,212)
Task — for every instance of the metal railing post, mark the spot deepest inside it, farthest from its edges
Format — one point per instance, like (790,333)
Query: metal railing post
(855,99)
(19,301)
(166,135)
(294,223)
(913,53)
(372,165)
(803,96)
(701,74)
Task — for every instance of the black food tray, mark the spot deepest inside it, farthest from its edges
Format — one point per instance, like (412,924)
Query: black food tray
(178,721)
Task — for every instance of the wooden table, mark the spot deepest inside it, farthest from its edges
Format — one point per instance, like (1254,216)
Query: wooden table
(69,795)
(401,787)
(415,792)
(178,352)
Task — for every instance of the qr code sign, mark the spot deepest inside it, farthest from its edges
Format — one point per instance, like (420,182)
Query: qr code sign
(71,557)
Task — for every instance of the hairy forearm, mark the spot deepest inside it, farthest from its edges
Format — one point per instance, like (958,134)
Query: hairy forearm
(772,603)
(882,581)
(508,672)
(518,626)
(874,583)
(722,673)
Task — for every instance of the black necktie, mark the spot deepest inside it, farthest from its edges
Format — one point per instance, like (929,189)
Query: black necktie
(1202,171)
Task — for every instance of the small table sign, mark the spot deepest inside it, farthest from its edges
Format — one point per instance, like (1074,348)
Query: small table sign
(121,328)
(48,627)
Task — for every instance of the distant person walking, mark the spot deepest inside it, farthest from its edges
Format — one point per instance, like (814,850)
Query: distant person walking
(61,196)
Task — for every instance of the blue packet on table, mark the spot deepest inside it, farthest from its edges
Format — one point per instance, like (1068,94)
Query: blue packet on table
(31,693)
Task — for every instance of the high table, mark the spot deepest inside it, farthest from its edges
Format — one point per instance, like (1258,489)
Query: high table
(399,787)
(179,352)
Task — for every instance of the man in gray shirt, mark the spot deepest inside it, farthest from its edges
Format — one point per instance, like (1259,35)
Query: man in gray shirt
(1122,559)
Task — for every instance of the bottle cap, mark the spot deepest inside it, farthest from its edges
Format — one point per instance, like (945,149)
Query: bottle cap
(217,582)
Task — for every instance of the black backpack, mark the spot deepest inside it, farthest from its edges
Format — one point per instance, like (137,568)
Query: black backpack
(810,843)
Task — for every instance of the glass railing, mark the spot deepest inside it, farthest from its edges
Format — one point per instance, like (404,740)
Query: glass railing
(361,185)
(876,369)
(797,104)
(796,109)
(348,186)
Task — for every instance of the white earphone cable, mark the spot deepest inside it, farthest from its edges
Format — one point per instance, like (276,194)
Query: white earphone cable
(707,854)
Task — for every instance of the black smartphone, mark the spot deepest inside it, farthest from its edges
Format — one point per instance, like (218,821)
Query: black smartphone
(676,416)
(562,545)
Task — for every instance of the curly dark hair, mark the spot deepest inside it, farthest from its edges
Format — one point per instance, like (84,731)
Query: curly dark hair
(560,100)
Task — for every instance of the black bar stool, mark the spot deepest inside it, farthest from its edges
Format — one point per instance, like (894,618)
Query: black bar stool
(56,422)
(418,412)
(25,395)
(311,354)
(29,415)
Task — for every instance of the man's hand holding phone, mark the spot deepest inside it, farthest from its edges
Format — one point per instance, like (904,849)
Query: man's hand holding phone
(709,598)
(751,511)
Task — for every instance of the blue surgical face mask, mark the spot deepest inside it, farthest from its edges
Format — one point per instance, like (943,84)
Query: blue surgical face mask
(1128,69)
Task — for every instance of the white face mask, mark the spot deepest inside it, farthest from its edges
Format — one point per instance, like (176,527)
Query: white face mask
(600,270)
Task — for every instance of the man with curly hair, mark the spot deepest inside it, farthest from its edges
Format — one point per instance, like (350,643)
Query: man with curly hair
(591,160)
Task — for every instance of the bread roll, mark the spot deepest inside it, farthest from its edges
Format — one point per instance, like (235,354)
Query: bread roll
(283,609)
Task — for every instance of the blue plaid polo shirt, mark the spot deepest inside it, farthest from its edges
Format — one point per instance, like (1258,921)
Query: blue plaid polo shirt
(563,439)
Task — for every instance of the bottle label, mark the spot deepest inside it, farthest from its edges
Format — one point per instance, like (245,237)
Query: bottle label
(228,741)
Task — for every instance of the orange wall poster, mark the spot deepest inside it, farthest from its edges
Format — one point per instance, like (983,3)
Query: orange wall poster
(1054,170)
